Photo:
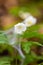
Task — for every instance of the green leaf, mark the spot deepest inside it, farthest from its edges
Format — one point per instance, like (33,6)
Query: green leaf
(5,60)
(37,43)
(3,38)
(26,46)
(30,58)
(40,64)
(3,41)
(33,32)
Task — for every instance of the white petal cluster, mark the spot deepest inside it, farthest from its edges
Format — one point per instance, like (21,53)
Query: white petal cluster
(19,28)
(29,20)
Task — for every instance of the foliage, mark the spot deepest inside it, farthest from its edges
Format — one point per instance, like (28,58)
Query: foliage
(33,32)
(32,57)
(26,46)
(5,61)
(4,45)
(40,64)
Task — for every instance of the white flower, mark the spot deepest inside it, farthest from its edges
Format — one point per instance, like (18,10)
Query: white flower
(19,28)
(30,21)
(24,15)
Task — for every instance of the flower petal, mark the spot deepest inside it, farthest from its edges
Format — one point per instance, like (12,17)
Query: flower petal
(19,28)
(30,21)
